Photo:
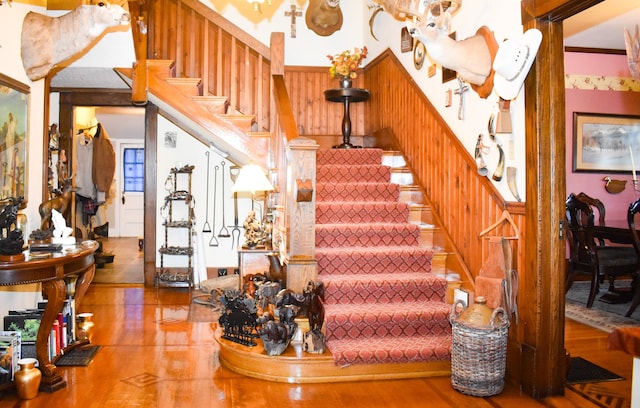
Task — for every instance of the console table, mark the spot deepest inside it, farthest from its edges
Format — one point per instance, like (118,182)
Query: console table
(346,96)
(75,261)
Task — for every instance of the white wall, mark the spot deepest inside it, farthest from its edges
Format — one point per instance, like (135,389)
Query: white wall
(11,17)
(501,16)
(189,151)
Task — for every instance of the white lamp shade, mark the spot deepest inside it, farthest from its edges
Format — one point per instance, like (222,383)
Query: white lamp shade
(251,179)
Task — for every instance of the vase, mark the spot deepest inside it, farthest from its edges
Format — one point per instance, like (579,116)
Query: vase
(27,379)
(345,82)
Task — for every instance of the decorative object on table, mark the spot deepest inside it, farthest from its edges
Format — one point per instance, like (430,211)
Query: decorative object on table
(344,65)
(61,202)
(238,318)
(27,379)
(614,186)
(61,233)
(324,17)
(42,50)
(252,179)
(39,236)
(12,242)
(479,349)
(602,141)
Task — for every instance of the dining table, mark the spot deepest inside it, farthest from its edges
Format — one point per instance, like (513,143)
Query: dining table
(616,230)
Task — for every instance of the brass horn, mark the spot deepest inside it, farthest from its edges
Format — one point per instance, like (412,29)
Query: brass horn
(482,166)
(497,174)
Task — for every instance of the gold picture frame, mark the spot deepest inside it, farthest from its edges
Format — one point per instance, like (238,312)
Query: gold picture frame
(14,131)
(603,143)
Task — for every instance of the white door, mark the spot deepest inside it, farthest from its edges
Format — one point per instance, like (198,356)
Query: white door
(131,190)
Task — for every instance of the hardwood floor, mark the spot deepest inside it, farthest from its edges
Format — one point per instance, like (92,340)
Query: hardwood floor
(153,356)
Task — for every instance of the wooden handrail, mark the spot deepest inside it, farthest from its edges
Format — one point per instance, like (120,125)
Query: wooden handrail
(283,108)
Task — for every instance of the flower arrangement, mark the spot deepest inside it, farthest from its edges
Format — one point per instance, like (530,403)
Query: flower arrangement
(346,63)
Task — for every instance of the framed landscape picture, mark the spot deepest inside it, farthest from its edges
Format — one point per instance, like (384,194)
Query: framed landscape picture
(605,143)
(14,119)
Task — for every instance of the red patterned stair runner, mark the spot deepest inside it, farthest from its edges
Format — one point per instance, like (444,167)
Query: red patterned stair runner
(382,303)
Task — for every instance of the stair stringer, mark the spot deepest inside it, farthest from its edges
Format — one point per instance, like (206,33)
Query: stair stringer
(212,130)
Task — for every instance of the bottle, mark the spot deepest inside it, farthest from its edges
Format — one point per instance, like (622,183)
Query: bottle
(478,314)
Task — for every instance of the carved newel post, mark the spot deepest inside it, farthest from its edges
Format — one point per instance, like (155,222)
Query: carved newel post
(301,214)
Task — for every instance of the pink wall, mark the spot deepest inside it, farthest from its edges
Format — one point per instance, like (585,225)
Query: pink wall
(623,103)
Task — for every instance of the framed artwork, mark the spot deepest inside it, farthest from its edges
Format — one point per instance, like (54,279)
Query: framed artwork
(14,119)
(605,142)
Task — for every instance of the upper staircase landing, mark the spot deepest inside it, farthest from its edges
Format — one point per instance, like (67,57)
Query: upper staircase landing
(205,117)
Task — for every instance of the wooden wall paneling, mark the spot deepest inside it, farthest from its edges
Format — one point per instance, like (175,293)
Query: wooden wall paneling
(443,167)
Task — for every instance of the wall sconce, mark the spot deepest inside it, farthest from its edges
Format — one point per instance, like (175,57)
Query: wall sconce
(255,3)
(252,179)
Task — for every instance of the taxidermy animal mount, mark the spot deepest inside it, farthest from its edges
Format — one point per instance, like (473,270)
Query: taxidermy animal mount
(47,41)
(324,17)
(472,57)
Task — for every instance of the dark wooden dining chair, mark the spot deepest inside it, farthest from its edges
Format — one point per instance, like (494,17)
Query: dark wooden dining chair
(597,204)
(586,257)
(634,208)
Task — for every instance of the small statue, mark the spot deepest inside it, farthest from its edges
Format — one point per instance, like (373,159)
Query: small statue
(11,238)
(254,233)
(60,229)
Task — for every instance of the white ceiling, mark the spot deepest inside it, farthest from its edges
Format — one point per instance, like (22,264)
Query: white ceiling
(602,25)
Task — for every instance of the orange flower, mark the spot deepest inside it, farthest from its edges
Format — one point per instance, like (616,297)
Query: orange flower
(346,63)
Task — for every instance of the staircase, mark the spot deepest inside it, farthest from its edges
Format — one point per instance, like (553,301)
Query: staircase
(383,304)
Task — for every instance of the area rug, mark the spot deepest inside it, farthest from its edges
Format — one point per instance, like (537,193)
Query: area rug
(601,395)
(602,315)
(583,371)
(79,356)
(203,308)
(590,381)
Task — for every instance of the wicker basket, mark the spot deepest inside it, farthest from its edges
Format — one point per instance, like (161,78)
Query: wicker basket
(479,355)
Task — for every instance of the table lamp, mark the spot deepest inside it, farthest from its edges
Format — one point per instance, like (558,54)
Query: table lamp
(252,179)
